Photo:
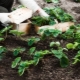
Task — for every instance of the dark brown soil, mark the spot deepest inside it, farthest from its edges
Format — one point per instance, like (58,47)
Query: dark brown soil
(49,67)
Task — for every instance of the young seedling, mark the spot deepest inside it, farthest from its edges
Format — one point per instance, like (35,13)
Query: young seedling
(53,44)
(72,46)
(32,40)
(77,58)
(18,50)
(54,1)
(38,55)
(15,62)
(2,39)
(49,33)
(22,65)
(2,51)
(68,35)
(32,50)
(64,61)
(5,30)
(41,21)
(16,32)
(77,33)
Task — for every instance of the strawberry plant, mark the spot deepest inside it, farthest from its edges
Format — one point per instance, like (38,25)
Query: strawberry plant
(54,1)
(18,50)
(55,13)
(77,35)
(77,58)
(72,34)
(48,1)
(22,65)
(32,50)
(56,49)
(39,55)
(15,62)
(69,34)
(41,21)
(2,51)
(4,30)
(2,39)
(53,44)
(59,14)
(64,61)
(49,33)
(16,32)
(32,40)
(72,46)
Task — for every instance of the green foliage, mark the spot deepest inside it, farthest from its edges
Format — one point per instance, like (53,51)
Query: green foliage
(48,1)
(77,58)
(53,44)
(72,34)
(54,1)
(31,51)
(32,40)
(59,14)
(5,29)
(15,62)
(72,46)
(24,65)
(77,33)
(2,51)
(55,13)
(42,21)
(50,33)
(77,0)
(39,55)
(69,34)
(2,39)
(16,32)
(64,61)
(18,50)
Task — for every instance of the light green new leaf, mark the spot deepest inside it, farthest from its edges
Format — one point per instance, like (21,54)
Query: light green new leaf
(1,39)
(69,46)
(15,62)
(55,1)
(31,51)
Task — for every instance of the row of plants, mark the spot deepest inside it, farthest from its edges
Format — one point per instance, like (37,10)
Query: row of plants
(56,14)
(55,47)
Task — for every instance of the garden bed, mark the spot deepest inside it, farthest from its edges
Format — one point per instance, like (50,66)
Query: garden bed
(48,67)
